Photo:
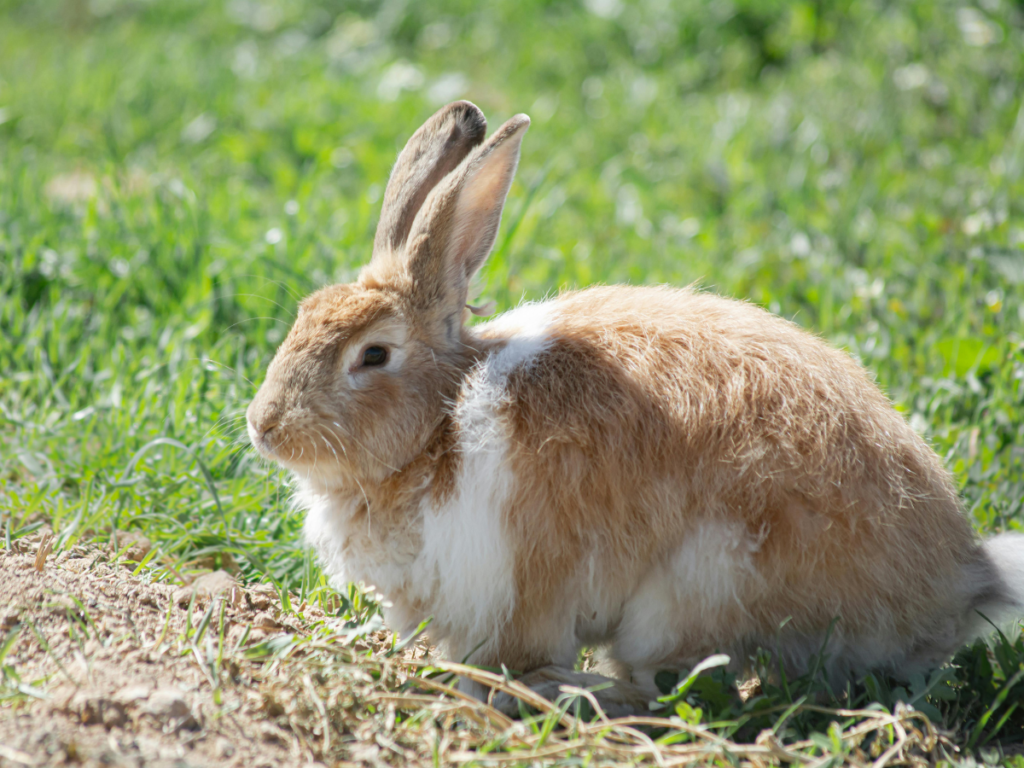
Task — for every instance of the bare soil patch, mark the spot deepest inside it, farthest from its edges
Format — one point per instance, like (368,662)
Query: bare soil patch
(103,668)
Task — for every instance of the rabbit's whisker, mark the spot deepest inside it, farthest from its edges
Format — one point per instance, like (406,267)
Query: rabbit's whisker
(340,443)
(370,453)
(325,434)
(270,280)
(257,296)
(250,319)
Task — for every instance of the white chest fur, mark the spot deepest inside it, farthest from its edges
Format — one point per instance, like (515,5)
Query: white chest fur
(454,562)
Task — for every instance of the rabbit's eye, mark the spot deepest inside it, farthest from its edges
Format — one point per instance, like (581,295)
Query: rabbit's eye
(374,356)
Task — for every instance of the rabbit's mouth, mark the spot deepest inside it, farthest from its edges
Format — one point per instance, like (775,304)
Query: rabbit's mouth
(263,440)
(273,434)
(315,450)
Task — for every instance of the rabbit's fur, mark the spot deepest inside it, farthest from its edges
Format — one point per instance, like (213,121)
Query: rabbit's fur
(658,471)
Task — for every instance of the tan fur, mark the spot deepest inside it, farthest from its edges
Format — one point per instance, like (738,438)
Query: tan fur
(686,459)
(656,408)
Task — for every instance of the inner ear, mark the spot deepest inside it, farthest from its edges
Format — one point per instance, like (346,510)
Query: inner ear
(456,228)
(479,206)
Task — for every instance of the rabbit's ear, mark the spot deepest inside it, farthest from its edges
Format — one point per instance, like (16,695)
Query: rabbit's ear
(434,151)
(455,229)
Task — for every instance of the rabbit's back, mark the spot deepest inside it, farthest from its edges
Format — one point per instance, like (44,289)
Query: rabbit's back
(697,457)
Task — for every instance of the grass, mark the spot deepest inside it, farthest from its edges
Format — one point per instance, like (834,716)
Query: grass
(174,176)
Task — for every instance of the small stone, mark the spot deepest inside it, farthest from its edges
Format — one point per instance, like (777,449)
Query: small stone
(167,704)
(135,545)
(113,715)
(224,748)
(266,623)
(88,705)
(215,582)
(221,560)
(93,708)
(209,585)
(131,694)
(262,596)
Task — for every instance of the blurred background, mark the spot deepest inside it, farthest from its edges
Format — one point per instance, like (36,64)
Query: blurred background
(175,175)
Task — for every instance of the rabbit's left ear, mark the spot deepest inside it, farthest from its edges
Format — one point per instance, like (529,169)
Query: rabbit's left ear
(455,229)
(434,151)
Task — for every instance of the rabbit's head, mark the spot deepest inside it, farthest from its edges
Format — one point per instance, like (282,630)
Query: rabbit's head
(358,387)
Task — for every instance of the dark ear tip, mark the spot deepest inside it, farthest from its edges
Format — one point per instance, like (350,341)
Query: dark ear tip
(468,117)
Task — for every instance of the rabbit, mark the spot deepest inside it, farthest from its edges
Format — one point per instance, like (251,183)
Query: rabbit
(659,472)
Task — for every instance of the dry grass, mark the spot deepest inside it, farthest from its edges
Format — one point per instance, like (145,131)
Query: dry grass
(101,667)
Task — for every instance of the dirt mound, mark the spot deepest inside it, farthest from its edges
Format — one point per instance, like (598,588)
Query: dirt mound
(102,668)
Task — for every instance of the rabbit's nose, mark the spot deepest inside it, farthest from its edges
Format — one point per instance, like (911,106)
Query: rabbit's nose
(265,427)
(262,421)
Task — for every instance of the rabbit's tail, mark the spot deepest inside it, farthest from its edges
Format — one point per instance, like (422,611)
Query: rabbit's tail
(1001,600)
(991,596)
